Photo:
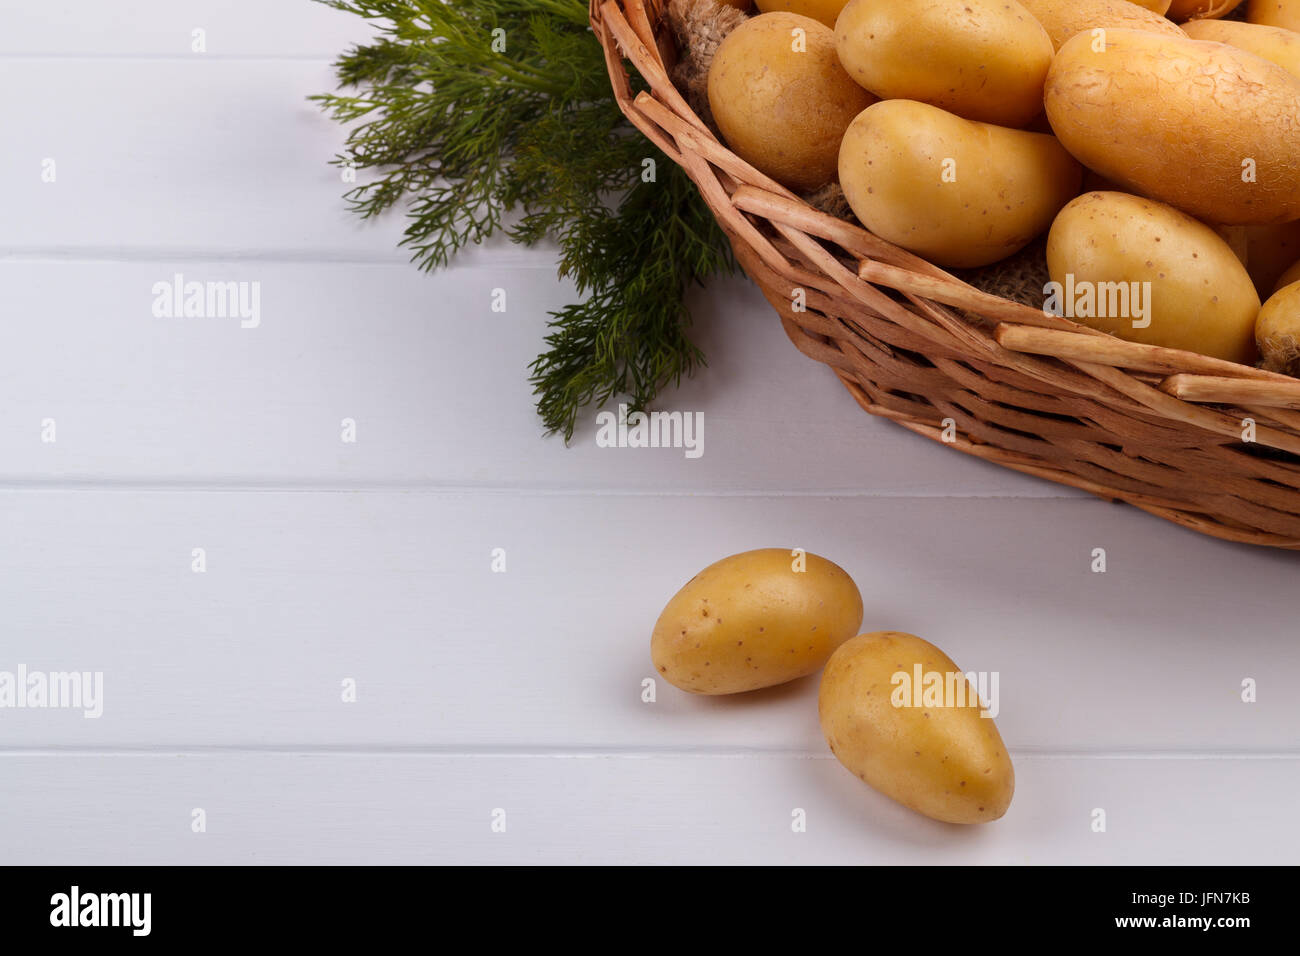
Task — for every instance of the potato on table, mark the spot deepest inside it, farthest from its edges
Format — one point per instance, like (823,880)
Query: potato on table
(937,754)
(753,620)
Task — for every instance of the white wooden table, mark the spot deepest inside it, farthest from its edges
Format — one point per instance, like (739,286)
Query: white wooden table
(371,562)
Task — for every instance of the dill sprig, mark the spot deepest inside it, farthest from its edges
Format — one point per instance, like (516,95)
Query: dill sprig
(479,116)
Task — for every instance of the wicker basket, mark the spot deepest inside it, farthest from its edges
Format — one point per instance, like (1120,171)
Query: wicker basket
(1158,428)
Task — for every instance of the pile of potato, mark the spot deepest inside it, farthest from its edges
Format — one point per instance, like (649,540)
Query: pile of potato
(961,130)
(762,618)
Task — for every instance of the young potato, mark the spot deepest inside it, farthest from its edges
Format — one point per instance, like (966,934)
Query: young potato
(1155,6)
(987,64)
(934,753)
(753,620)
(1272,43)
(1148,273)
(823,10)
(1202,126)
(958,192)
(1275,13)
(781,98)
(1291,275)
(1062,19)
(1180,10)
(1277,330)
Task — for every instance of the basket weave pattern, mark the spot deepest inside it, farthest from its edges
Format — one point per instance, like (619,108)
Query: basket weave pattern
(1158,428)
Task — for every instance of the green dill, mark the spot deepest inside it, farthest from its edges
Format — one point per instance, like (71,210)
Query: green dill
(485,116)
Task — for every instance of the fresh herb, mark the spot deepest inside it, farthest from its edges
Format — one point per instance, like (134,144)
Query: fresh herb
(482,116)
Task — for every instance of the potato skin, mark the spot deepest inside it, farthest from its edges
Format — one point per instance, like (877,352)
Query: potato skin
(1277,330)
(824,11)
(1275,13)
(1062,19)
(986,63)
(784,112)
(1008,183)
(948,763)
(1289,276)
(1272,43)
(1175,119)
(1201,297)
(1181,10)
(752,621)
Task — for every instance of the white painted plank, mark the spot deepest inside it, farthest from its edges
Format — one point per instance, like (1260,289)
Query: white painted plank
(68,28)
(178,157)
(395,590)
(353,809)
(436,382)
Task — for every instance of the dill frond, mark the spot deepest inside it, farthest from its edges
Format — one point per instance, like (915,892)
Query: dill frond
(461,125)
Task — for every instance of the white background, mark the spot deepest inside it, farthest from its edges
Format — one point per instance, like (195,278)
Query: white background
(372,561)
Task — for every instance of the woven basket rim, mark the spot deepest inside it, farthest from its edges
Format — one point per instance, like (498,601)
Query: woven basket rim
(777,235)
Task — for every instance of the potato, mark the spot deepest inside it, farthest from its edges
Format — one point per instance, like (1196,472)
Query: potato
(1277,330)
(753,620)
(958,192)
(1275,13)
(986,64)
(1270,251)
(823,10)
(1181,10)
(781,98)
(1064,18)
(1202,126)
(1155,6)
(1119,260)
(1272,43)
(1291,275)
(932,752)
